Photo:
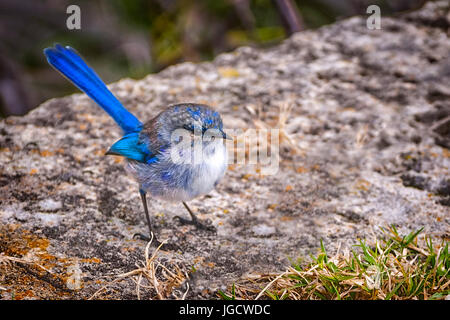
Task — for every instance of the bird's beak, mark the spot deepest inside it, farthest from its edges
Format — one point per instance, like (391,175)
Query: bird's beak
(226,136)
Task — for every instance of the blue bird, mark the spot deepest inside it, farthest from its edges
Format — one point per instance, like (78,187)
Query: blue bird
(162,154)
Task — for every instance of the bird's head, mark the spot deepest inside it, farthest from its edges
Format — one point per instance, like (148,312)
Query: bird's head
(197,119)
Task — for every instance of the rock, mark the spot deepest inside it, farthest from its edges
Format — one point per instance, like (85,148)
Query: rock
(50,205)
(263,230)
(415,181)
(364,147)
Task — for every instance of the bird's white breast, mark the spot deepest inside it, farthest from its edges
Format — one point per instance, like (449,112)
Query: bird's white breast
(210,170)
(172,181)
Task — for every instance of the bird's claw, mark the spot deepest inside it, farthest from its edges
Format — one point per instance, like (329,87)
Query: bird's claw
(197,223)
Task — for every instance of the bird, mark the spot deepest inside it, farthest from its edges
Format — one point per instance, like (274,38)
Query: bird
(176,156)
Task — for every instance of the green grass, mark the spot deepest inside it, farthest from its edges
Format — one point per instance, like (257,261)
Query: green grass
(394,267)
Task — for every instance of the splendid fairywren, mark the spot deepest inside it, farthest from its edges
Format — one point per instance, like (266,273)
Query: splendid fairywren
(162,153)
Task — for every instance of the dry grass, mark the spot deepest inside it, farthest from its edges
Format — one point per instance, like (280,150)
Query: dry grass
(267,140)
(394,267)
(160,280)
(284,115)
(5,259)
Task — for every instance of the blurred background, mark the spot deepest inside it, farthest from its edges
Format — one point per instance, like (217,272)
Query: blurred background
(132,38)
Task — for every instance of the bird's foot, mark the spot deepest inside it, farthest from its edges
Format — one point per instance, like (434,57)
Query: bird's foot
(197,223)
(155,242)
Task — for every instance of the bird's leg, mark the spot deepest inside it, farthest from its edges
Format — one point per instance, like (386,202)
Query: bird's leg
(147,216)
(194,220)
(168,246)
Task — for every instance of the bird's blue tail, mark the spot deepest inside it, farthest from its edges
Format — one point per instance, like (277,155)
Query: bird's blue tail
(70,64)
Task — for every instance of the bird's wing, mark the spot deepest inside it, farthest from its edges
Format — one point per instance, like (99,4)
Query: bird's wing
(134,146)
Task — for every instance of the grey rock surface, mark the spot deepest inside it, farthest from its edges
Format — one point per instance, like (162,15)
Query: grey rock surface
(370,125)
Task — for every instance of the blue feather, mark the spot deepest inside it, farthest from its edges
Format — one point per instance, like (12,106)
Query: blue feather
(71,65)
(132,147)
